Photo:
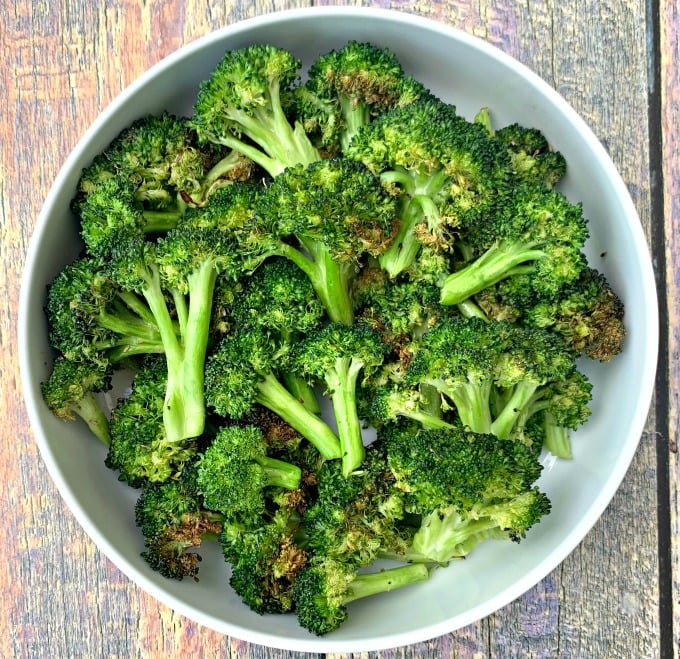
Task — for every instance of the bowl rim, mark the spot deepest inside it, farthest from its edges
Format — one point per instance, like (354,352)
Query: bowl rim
(552,559)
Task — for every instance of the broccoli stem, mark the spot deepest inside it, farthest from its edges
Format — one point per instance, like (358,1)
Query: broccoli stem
(178,425)
(491,267)
(160,221)
(275,397)
(521,396)
(446,536)
(472,403)
(201,287)
(374,583)
(341,382)
(355,115)
(427,420)
(329,279)
(89,410)
(403,250)
(302,390)
(282,144)
(556,438)
(280,473)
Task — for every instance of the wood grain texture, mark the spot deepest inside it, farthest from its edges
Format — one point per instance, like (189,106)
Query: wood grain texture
(63,62)
(670,150)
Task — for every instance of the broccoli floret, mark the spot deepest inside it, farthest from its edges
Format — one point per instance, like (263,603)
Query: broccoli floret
(587,313)
(533,159)
(70,391)
(354,516)
(240,106)
(110,211)
(140,449)
(558,407)
(449,173)
(91,318)
(399,309)
(265,560)
(243,370)
(337,354)
(175,522)
(322,590)
(468,360)
(347,88)
(535,230)
(338,212)
(235,469)
(393,401)
(279,297)
(176,276)
(466,487)
(160,159)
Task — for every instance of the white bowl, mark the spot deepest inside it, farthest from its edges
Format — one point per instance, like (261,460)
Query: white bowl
(469,73)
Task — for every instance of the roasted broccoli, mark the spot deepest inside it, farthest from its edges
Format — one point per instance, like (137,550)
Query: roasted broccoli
(241,106)
(140,449)
(174,522)
(534,230)
(448,171)
(243,370)
(338,354)
(325,218)
(464,487)
(71,390)
(348,88)
(345,324)
(323,589)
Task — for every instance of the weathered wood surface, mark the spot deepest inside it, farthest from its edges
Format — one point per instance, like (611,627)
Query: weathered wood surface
(63,61)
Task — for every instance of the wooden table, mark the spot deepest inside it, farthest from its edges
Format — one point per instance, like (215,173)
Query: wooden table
(616,62)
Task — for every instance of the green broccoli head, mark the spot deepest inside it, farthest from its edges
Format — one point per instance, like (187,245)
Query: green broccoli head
(348,88)
(353,517)
(70,391)
(93,319)
(235,470)
(279,297)
(335,203)
(175,523)
(533,159)
(265,561)
(454,466)
(535,230)
(448,171)
(241,106)
(587,313)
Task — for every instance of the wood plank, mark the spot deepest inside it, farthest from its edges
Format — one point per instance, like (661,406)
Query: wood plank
(670,120)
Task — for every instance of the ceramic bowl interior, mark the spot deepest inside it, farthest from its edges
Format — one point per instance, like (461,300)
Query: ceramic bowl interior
(469,73)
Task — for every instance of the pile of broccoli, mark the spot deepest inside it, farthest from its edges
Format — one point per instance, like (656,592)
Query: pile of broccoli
(295,263)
